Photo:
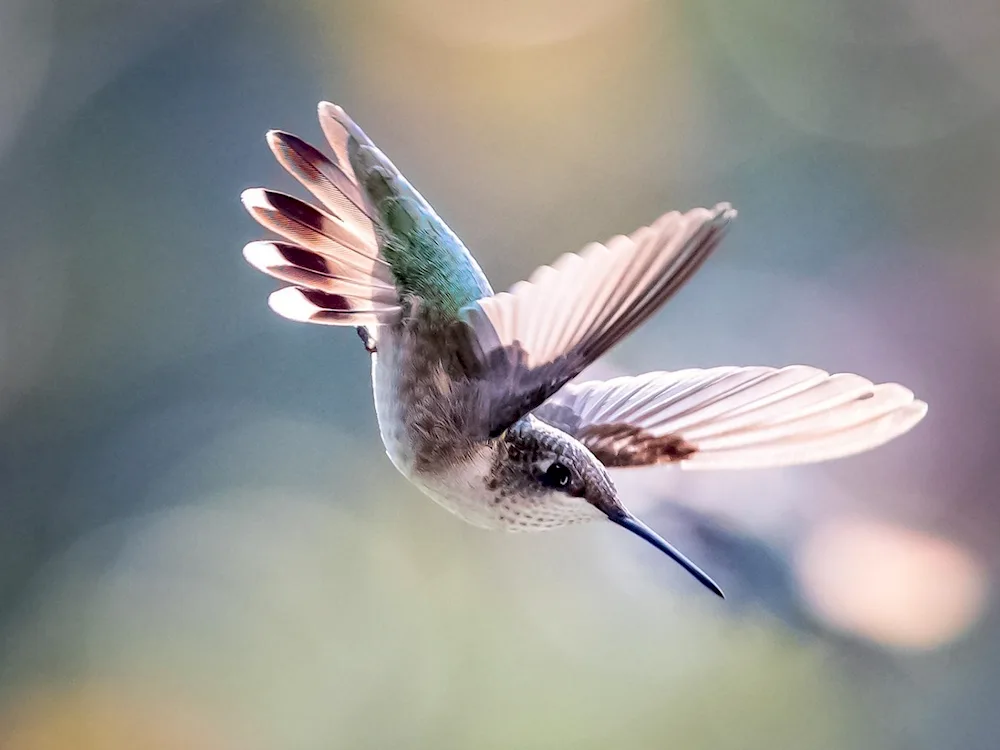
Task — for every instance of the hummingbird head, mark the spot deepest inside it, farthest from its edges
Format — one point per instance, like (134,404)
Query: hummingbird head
(543,477)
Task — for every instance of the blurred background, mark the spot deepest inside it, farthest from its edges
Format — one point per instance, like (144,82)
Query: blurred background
(202,543)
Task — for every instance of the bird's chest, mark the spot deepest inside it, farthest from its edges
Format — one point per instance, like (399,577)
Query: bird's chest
(461,489)
(465,489)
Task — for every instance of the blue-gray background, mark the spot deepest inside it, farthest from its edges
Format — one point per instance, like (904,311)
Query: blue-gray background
(202,544)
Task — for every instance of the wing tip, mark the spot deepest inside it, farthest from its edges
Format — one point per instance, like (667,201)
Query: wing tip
(918,409)
(895,423)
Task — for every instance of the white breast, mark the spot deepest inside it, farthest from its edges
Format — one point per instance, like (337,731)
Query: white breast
(462,491)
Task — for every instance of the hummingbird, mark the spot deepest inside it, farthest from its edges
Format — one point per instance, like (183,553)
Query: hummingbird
(477,393)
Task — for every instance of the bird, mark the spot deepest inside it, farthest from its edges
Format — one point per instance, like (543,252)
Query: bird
(477,394)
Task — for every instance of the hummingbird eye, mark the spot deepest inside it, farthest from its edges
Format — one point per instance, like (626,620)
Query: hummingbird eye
(557,476)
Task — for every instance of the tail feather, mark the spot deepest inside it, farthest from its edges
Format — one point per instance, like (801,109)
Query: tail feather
(339,129)
(299,266)
(325,179)
(344,241)
(313,306)
(305,224)
(332,256)
(315,230)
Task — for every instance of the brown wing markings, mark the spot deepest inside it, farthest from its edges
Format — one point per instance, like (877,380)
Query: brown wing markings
(621,444)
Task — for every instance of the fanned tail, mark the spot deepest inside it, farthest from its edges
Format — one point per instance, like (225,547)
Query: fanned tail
(331,255)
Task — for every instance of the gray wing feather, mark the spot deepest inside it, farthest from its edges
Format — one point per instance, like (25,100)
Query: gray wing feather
(532,340)
(732,417)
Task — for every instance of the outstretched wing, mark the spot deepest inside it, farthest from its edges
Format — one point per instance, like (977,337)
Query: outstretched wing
(732,417)
(529,342)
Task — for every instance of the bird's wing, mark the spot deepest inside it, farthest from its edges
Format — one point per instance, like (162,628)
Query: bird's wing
(732,417)
(529,342)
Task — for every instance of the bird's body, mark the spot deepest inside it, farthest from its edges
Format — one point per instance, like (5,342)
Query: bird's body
(420,420)
(423,402)
(472,389)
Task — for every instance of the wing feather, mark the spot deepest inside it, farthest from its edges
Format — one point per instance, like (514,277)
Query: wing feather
(732,417)
(534,338)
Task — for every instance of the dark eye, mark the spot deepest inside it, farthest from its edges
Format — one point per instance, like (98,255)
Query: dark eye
(556,476)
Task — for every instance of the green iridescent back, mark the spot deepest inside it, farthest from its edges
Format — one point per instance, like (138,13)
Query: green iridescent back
(427,259)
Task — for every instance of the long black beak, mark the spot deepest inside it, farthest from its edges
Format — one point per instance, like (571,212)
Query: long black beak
(640,529)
